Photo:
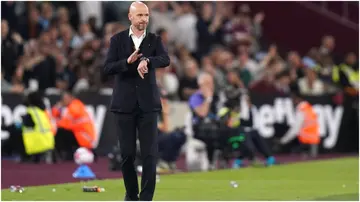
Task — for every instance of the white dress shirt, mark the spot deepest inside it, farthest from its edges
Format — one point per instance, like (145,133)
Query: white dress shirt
(137,40)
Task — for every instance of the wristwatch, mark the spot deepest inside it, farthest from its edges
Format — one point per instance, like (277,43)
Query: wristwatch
(146,59)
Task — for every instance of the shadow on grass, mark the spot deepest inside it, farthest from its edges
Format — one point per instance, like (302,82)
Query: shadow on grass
(340,197)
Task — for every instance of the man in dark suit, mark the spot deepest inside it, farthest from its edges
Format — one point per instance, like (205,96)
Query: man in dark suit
(133,58)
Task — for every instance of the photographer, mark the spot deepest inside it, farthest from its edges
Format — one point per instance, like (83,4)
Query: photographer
(203,107)
(241,135)
(254,139)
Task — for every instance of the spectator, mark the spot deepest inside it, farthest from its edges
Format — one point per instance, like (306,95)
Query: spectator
(208,27)
(209,67)
(325,70)
(93,22)
(86,33)
(265,85)
(8,87)
(69,39)
(69,56)
(11,50)
(46,15)
(164,18)
(245,62)
(327,45)
(283,80)
(185,26)
(91,9)
(234,79)
(62,16)
(244,74)
(188,83)
(40,66)
(294,64)
(310,84)
(203,106)
(163,33)
(31,27)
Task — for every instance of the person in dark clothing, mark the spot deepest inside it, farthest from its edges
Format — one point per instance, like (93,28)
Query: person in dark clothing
(133,57)
(203,105)
(188,83)
(30,27)
(15,142)
(44,71)
(11,50)
(208,28)
(253,141)
(242,137)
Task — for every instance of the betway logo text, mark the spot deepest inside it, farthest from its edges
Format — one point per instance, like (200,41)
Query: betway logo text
(283,112)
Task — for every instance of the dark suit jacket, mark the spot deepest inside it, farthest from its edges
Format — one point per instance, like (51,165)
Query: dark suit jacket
(129,89)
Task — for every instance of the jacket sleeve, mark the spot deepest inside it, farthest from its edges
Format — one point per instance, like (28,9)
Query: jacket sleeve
(294,129)
(55,112)
(162,59)
(28,121)
(112,64)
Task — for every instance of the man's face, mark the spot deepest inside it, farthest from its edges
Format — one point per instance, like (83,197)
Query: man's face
(4,28)
(294,59)
(330,43)
(191,70)
(139,17)
(351,59)
(66,99)
(285,80)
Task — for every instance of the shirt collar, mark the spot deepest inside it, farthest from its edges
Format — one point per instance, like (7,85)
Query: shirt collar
(132,33)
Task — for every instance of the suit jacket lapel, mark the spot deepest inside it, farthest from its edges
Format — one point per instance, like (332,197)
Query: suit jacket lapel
(129,46)
(145,45)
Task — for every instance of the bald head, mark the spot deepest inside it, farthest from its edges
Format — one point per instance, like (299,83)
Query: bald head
(204,79)
(139,15)
(206,83)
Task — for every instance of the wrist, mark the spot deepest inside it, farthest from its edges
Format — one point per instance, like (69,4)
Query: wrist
(208,99)
(145,59)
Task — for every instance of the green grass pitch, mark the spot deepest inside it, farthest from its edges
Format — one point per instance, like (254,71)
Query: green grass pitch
(318,180)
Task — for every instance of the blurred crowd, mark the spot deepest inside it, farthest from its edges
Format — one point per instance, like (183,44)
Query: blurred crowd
(62,45)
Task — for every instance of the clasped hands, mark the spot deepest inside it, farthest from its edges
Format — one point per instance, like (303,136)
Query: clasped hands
(142,67)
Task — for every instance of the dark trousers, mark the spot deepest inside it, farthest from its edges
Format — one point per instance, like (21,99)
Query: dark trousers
(210,146)
(214,138)
(252,142)
(146,126)
(15,145)
(170,145)
(65,144)
(260,144)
